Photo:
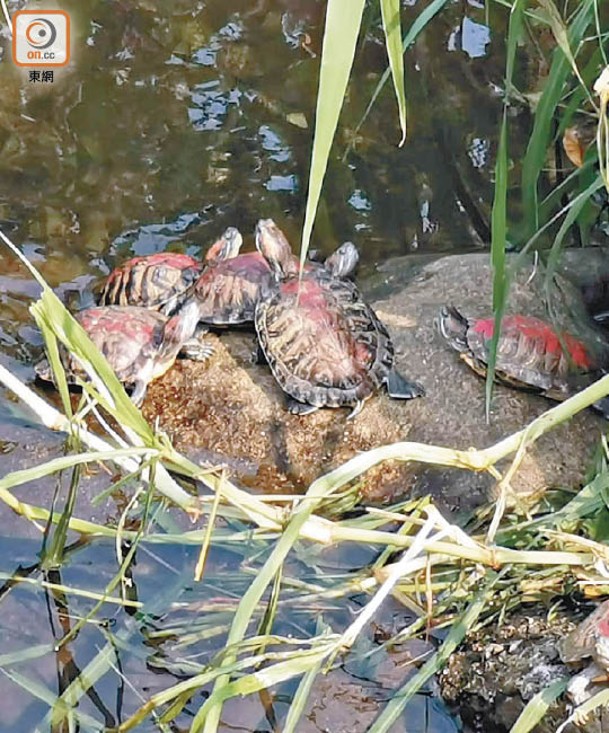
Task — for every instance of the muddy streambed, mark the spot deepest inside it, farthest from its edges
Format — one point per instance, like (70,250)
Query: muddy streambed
(171,124)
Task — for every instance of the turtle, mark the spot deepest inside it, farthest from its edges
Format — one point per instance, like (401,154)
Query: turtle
(531,354)
(324,344)
(162,281)
(139,344)
(229,289)
(590,640)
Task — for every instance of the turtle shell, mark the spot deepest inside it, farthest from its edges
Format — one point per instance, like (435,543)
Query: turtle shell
(589,639)
(324,344)
(163,281)
(159,281)
(227,292)
(530,353)
(132,339)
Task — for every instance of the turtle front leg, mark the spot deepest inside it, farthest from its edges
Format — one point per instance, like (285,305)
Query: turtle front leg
(196,350)
(300,408)
(357,408)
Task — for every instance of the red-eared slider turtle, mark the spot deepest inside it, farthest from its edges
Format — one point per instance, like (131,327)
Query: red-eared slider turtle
(589,641)
(139,344)
(324,344)
(228,290)
(531,354)
(162,281)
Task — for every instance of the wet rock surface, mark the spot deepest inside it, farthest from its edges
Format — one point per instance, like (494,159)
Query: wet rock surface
(498,671)
(231,412)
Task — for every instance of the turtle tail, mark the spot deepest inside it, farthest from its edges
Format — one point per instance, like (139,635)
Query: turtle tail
(401,388)
(453,327)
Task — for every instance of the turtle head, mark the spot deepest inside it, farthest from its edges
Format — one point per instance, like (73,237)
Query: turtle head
(273,245)
(343,262)
(453,327)
(226,247)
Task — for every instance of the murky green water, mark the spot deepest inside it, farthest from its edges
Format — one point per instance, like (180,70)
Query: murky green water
(174,121)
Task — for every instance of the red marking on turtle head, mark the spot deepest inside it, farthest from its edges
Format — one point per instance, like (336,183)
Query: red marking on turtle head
(535,328)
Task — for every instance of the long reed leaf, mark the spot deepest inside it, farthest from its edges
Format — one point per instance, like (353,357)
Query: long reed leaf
(499,212)
(390,12)
(553,90)
(411,36)
(343,20)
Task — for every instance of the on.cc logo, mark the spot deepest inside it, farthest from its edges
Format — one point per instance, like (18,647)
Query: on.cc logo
(41,38)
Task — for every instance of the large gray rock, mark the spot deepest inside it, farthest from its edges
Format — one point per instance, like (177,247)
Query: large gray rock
(231,411)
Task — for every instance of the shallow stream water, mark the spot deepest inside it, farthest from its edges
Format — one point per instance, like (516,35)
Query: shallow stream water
(173,121)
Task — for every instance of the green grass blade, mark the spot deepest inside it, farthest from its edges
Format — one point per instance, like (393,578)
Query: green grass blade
(578,203)
(498,242)
(390,11)
(52,352)
(343,20)
(301,695)
(535,156)
(559,30)
(17,478)
(499,212)
(52,556)
(419,25)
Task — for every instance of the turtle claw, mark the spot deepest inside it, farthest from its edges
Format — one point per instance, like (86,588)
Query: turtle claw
(356,410)
(197,350)
(401,389)
(300,408)
(138,394)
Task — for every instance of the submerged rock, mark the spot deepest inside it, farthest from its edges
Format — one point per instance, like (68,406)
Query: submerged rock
(231,411)
(498,671)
